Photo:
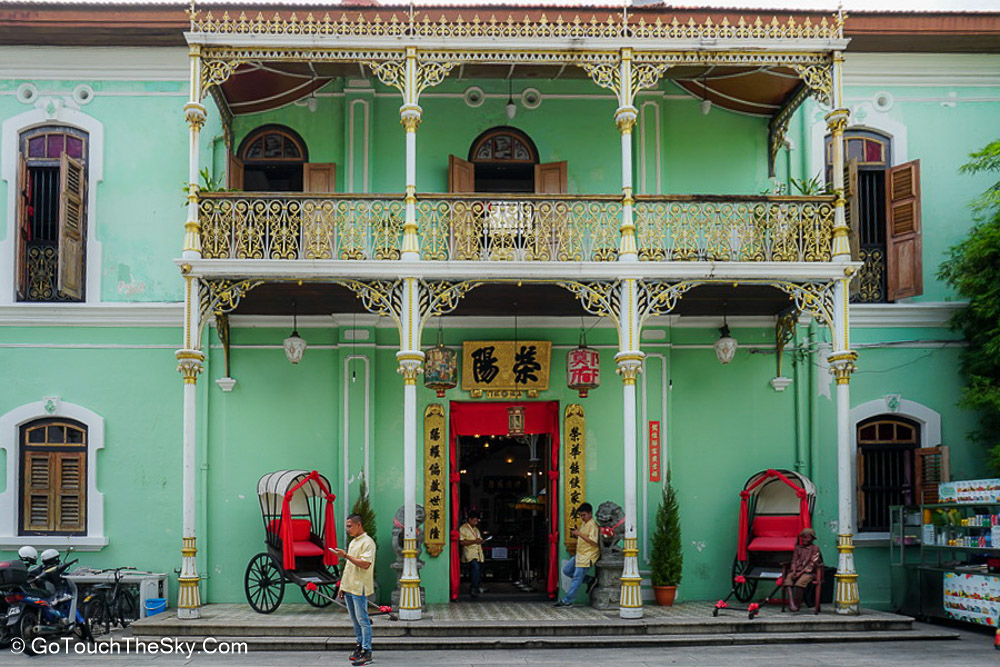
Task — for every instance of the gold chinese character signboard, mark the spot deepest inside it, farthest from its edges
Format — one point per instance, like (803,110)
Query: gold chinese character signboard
(574,470)
(434,478)
(505,368)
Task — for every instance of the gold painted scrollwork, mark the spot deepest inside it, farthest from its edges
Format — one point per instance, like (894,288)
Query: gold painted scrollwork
(819,79)
(215,72)
(435,484)
(574,470)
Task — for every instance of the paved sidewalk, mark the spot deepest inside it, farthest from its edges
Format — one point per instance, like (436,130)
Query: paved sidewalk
(972,648)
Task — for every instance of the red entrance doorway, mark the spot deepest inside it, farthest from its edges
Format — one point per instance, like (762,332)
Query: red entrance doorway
(471,426)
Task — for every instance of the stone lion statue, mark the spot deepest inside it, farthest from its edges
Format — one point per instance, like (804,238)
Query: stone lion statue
(610,519)
(397,531)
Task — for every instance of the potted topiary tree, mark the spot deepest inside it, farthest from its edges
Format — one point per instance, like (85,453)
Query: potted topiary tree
(363,506)
(666,556)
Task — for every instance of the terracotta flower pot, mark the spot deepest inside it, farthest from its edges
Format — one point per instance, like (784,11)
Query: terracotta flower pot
(665,595)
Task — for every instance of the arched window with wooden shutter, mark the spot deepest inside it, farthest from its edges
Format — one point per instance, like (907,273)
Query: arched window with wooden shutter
(53,478)
(52,214)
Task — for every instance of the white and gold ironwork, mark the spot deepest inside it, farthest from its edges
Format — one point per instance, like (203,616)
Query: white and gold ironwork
(435,465)
(836,122)
(300,227)
(784,331)
(517,228)
(219,297)
(846,597)
(439,24)
(189,364)
(385,297)
(730,229)
(574,470)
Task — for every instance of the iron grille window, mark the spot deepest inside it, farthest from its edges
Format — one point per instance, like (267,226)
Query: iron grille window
(886,447)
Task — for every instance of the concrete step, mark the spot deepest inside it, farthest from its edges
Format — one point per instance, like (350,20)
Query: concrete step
(291,627)
(472,642)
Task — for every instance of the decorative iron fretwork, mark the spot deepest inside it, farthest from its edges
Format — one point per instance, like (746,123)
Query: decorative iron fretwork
(819,79)
(393,24)
(764,229)
(220,297)
(440,297)
(659,298)
(871,277)
(429,73)
(297,227)
(517,228)
(814,298)
(777,129)
(222,329)
(784,331)
(600,298)
(385,297)
(41,266)
(644,76)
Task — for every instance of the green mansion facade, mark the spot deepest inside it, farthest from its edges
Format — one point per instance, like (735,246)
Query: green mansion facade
(179,191)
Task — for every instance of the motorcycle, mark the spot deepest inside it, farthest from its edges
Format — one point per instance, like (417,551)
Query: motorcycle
(42,603)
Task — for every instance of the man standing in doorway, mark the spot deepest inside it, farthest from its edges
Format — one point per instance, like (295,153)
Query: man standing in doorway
(472,552)
(587,552)
(357,582)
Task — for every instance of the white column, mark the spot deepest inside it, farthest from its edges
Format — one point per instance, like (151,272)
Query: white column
(629,360)
(842,363)
(190,357)
(410,357)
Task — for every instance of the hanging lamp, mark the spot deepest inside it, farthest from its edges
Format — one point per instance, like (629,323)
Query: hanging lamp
(294,345)
(511,108)
(440,366)
(725,347)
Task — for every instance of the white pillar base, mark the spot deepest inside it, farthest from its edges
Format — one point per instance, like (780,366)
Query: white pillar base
(409,584)
(846,597)
(631,595)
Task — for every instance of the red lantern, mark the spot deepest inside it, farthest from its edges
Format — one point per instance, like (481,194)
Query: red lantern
(583,369)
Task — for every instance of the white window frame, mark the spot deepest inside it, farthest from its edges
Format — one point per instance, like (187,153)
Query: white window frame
(10,445)
(10,132)
(930,436)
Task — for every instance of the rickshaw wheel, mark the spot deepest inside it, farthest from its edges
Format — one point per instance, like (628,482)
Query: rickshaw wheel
(313,597)
(744,592)
(264,583)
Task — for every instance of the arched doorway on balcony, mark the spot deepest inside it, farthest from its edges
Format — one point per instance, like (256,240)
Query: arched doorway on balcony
(505,159)
(275,158)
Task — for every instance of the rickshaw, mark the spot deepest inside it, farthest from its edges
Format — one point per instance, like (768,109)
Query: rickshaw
(775,505)
(300,533)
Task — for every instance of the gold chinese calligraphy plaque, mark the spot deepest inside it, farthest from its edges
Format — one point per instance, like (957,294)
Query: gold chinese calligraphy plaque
(434,478)
(574,470)
(506,366)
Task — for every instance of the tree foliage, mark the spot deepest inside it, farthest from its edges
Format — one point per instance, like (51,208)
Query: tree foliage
(666,555)
(363,506)
(973,269)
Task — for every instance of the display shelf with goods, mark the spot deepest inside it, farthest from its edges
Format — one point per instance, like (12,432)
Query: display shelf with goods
(952,568)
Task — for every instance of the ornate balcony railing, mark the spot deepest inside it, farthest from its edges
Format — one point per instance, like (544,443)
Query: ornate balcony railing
(516,227)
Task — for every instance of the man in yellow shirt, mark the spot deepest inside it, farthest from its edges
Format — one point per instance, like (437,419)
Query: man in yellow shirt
(356,583)
(472,552)
(588,550)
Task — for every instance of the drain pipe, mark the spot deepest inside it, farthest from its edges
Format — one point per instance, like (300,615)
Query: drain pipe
(801,450)
(813,396)
(203,493)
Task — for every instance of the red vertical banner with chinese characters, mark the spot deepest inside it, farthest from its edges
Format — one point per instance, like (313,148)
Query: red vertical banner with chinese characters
(654,451)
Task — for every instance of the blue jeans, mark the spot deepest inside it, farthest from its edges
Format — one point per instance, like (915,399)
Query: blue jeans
(571,570)
(357,608)
(475,576)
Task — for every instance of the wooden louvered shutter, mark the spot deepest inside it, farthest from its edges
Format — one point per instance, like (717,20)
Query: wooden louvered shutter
(931,467)
(903,238)
(852,215)
(23,226)
(234,173)
(38,514)
(70,498)
(551,178)
(319,176)
(71,197)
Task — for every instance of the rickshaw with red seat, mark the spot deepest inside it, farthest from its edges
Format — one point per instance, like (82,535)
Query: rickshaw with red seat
(775,505)
(300,534)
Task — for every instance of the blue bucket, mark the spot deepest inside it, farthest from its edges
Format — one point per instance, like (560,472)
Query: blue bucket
(155,606)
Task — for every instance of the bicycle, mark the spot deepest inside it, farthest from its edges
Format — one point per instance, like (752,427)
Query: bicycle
(110,605)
